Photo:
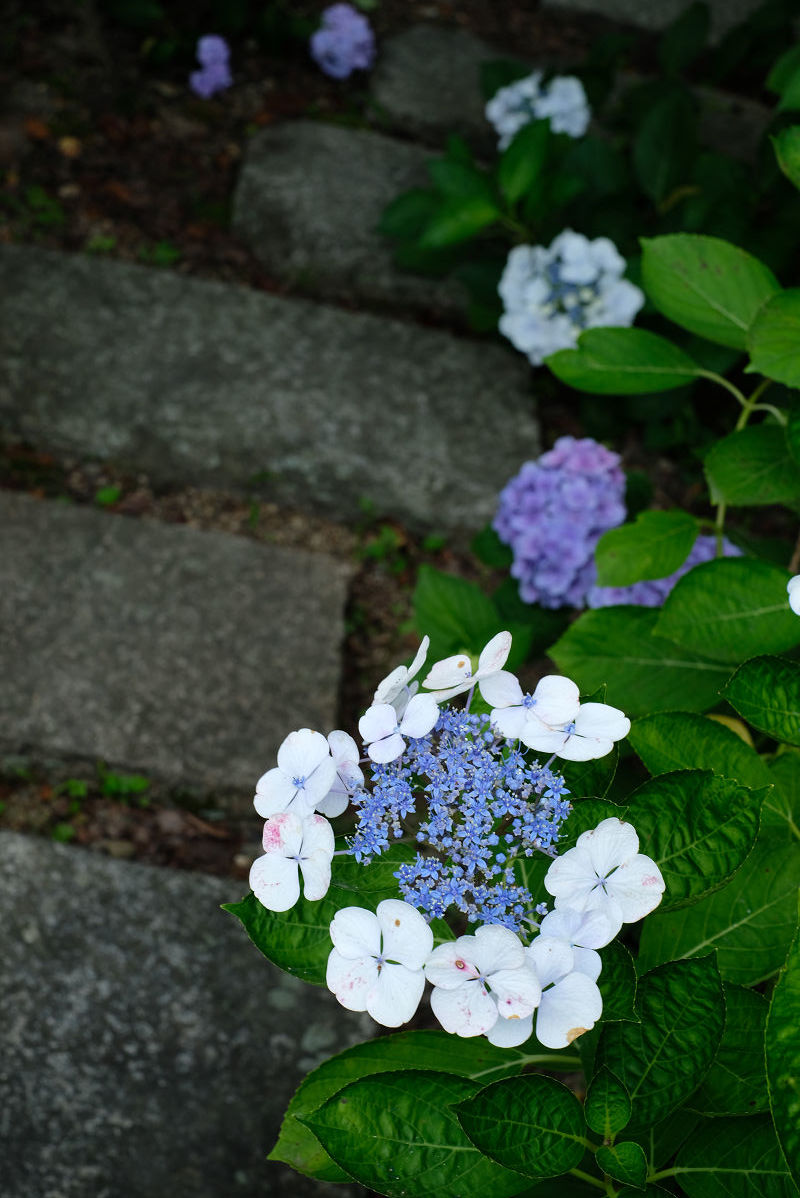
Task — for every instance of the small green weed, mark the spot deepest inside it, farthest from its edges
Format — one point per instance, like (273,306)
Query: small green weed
(107,496)
(163,253)
(100,243)
(63,832)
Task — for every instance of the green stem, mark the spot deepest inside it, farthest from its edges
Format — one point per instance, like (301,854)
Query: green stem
(588,1178)
(749,405)
(662,1174)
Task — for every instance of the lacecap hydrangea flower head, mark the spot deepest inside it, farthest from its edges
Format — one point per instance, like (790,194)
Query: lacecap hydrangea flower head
(343,43)
(214,75)
(471,797)
(552,293)
(562,101)
(553,513)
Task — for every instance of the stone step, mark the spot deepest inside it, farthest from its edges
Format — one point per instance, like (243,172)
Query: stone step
(308,202)
(725,14)
(147,1050)
(218,385)
(185,655)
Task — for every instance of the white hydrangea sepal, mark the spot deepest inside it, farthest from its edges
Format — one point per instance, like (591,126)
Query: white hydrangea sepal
(571,1002)
(606,871)
(793,589)
(385,737)
(395,686)
(303,776)
(376,961)
(480,979)
(454,675)
(348,778)
(293,847)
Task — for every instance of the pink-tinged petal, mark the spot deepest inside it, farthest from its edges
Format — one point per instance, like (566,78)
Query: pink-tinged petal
(351,979)
(319,782)
(609,844)
(386,750)
(501,690)
(283,834)
(274,792)
(510,1033)
(274,881)
(317,836)
(603,721)
(395,996)
(637,886)
(316,871)
(557,700)
(584,748)
(451,964)
(567,1010)
(406,937)
(301,753)
(420,716)
(468,1011)
(552,959)
(497,948)
(451,671)
(378,721)
(495,653)
(571,879)
(356,933)
(588,961)
(516,991)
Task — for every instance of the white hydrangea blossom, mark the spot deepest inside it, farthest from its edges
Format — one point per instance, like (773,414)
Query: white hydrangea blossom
(605,871)
(303,776)
(349,777)
(553,720)
(397,687)
(793,588)
(384,733)
(376,961)
(552,293)
(562,101)
(453,675)
(293,846)
(481,980)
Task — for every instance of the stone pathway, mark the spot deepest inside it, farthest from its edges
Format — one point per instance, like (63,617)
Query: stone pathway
(188,655)
(148,1049)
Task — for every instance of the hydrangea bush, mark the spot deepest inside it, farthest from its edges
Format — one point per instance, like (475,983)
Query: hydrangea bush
(343,43)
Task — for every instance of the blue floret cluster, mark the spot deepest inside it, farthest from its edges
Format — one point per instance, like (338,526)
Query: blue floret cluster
(479,806)
(653,592)
(553,513)
(344,42)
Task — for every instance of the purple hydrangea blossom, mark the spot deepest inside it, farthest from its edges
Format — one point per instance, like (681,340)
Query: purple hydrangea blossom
(214,75)
(344,42)
(553,513)
(479,804)
(653,592)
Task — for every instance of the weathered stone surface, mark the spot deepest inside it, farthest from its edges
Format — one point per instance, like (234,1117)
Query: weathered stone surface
(147,1050)
(427,83)
(724,13)
(213,384)
(188,655)
(308,202)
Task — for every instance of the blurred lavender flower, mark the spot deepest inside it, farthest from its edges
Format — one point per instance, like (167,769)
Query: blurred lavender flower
(214,75)
(343,43)
(562,101)
(551,294)
(653,592)
(553,513)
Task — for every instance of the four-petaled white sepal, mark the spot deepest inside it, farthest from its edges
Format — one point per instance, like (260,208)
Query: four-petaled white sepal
(304,775)
(535,719)
(293,846)
(348,778)
(385,737)
(376,961)
(605,871)
(454,675)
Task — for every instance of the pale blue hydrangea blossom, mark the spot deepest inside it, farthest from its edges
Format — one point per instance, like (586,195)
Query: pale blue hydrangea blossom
(652,592)
(552,293)
(553,513)
(343,43)
(793,589)
(214,75)
(562,101)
